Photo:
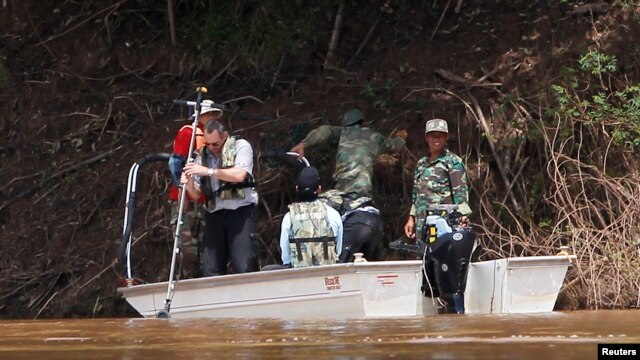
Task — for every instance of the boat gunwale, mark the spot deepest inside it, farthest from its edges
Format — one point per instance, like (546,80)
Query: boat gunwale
(281,274)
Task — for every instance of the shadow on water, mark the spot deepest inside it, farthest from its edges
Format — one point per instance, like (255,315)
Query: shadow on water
(558,335)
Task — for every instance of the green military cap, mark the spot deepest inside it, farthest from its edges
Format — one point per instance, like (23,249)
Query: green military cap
(436,125)
(352,117)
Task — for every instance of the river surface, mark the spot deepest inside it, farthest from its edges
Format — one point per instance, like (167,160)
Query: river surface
(557,335)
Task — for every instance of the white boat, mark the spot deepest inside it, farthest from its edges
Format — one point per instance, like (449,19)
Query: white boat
(515,285)
(351,290)
(356,290)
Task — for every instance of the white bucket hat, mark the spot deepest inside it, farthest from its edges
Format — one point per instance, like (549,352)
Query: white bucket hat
(207,106)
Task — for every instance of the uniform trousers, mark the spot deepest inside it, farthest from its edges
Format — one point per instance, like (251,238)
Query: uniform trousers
(229,240)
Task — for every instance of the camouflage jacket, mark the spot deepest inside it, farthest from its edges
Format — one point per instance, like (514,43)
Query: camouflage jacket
(442,181)
(312,241)
(358,148)
(342,201)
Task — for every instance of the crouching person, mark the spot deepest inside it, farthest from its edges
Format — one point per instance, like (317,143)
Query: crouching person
(311,232)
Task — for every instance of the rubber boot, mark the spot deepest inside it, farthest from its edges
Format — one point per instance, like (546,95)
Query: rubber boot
(458,301)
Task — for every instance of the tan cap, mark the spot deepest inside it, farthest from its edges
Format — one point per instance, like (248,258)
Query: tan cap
(436,125)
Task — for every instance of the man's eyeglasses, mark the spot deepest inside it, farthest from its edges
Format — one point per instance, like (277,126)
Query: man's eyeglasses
(217,143)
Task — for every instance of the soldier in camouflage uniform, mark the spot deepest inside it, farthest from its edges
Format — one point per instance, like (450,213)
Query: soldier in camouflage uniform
(358,148)
(439,178)
(311,232)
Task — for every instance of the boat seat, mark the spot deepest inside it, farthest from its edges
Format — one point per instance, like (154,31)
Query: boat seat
(274,267)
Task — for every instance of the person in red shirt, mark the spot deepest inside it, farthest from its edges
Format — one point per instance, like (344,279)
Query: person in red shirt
(192,227)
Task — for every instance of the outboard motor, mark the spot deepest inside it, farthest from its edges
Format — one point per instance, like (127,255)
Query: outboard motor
(447,254)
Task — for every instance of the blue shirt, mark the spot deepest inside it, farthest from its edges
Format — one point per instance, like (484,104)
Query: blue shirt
(335,222)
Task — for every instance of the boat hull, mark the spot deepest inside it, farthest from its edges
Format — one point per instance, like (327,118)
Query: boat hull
(352,290)
(515,285)
(356,290)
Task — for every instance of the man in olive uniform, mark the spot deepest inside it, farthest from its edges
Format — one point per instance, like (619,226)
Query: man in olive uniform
(439,179)
(358,149)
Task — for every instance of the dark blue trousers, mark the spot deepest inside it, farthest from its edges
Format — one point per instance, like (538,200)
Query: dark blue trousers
(229,239)
(362,232)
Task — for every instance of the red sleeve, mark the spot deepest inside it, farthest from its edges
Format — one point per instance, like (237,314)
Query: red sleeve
(181,142)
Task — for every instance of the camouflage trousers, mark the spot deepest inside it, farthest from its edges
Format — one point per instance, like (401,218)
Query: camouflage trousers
(191,233)
(313,254)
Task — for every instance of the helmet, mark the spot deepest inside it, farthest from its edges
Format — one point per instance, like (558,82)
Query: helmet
(352,117)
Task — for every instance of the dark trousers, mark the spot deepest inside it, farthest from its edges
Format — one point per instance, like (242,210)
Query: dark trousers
(228,238)
(362,232)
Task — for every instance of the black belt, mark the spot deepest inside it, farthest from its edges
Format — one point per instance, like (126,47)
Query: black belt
(323,239)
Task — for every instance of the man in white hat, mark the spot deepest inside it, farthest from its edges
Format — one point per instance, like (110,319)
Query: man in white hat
(192,221)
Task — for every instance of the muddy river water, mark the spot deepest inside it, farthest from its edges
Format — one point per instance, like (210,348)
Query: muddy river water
(557,335)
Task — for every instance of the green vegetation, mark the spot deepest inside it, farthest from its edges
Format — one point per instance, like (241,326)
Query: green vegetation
(378,95)
(598,63)
(609,103)
(631,4)
(263,32)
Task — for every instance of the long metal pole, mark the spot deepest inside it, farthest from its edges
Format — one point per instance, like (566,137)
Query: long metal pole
(183,196)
